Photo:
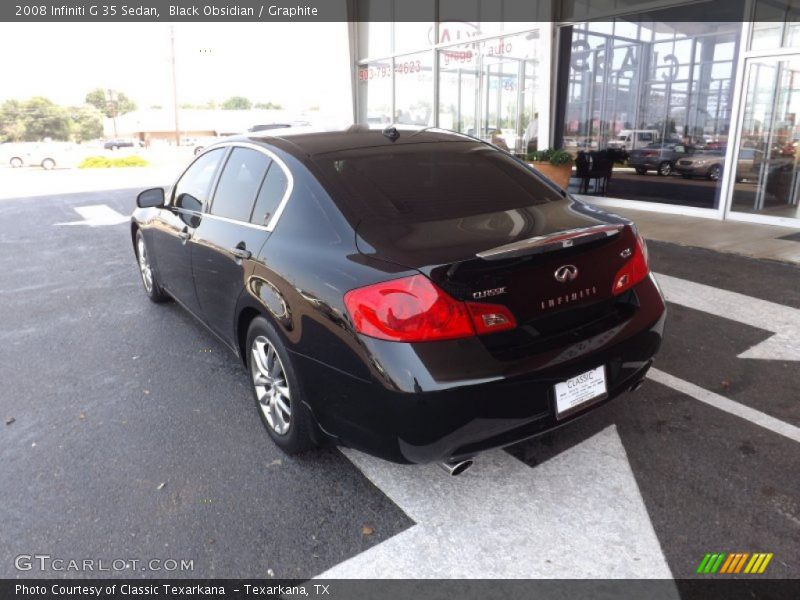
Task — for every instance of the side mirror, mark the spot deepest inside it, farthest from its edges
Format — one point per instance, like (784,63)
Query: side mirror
(150,198)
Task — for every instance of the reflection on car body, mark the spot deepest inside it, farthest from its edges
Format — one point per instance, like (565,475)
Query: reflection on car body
(345,268)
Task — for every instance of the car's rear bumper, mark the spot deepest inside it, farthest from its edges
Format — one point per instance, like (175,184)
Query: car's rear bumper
(433,418)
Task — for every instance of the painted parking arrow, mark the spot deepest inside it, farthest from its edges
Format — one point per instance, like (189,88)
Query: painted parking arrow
(782,321)
(580,514)
(97,215)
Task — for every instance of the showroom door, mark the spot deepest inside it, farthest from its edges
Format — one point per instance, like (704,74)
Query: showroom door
(768,153)
(504,82)
(488,89)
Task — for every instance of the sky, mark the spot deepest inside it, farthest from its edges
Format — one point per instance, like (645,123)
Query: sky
(295,64)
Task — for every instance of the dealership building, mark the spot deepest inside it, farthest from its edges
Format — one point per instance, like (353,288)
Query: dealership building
(590,74)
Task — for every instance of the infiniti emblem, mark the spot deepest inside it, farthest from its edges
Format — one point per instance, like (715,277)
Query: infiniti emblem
(566,273)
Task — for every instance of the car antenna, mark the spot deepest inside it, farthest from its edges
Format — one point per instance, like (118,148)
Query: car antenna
(391,133)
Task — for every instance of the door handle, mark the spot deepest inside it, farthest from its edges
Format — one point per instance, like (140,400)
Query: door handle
(242,253)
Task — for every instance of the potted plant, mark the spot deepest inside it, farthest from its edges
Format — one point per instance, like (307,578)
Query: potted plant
(554,164)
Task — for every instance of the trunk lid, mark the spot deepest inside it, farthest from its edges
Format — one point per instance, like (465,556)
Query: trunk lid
(484,227)
(552,265)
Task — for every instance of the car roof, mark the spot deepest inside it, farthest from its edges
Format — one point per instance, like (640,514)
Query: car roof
(311,141)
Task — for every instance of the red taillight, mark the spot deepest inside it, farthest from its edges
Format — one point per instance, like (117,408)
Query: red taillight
(413,309)
(634,270)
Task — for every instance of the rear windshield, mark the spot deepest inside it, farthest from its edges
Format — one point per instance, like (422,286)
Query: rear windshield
(431,181)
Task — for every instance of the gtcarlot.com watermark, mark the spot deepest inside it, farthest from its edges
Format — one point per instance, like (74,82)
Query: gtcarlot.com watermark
(48,563)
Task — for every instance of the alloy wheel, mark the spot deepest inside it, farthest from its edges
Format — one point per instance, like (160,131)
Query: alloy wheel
(271,385)
(714,173)
(144,265)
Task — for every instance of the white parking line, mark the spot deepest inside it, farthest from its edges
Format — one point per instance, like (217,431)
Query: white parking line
(580,514)
(97,215)
(726,404)
(783,321)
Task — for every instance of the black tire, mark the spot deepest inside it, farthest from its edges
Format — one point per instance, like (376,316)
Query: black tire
(297,437)
(48,164)
(665,168)
(641,170)
(15,162)
(714,173)
(153,290)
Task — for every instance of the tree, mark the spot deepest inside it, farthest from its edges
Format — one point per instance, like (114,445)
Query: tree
(33,120)
(12,124)
(87,123)
(120,104)
(45,119)
(268,105)
(237,103)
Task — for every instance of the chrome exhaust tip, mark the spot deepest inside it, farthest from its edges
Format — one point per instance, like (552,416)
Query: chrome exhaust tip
(456,467)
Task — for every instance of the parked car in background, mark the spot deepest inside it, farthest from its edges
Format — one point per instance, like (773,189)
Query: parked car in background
(748,163)
(659,157)
(629,139)
(47,155)
(703,163)
(201,143)
(118,143)
(269,126)
(415,294)
(14,153)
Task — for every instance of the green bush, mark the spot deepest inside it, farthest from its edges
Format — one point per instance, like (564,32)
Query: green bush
(103,162)
(551,155)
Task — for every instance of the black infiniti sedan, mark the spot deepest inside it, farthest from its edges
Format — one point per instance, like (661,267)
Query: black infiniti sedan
(414,293)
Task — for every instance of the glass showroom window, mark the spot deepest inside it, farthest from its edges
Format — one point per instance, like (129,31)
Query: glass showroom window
(375,92)
(643,87)
(413,76)
(768,157)
(488,88)
(775,25)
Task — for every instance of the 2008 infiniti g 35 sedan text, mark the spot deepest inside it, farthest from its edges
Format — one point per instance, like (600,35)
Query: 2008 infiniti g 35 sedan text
(413,293)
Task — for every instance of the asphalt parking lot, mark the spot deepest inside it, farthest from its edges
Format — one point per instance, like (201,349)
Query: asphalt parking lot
(129,433)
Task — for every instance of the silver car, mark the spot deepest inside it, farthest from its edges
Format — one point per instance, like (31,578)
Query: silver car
(704,163)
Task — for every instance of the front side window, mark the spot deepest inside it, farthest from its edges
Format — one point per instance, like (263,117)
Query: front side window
(239,183)
(192,190)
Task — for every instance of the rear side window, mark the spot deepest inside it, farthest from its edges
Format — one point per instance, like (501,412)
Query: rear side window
(238,185)
(270,195)
(192,190)
(431,181)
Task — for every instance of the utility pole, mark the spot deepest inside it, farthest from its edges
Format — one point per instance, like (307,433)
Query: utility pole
(112,107)
(174,86)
